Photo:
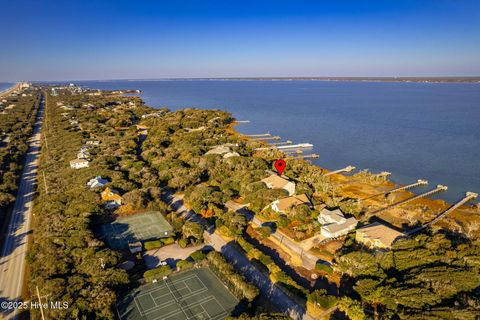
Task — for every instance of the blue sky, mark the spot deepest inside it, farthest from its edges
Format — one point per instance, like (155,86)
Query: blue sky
(103,39)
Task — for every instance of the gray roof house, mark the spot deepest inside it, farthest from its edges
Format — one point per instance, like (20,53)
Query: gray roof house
(334,224)
(97,182)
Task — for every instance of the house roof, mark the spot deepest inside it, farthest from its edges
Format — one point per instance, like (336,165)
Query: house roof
(289,202)
(97,181)
(79,161)
(218,150)
(335,227)
(111,195)
(335,215)
(380,232)
(275,181)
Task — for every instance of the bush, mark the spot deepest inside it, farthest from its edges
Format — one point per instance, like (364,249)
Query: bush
(183,243)
(198,256)
(323,267)
(167,241)
(149,245)
(264,232)
(157,273)
(184,265)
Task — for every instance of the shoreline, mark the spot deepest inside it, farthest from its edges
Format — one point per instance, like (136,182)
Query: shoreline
(8,91)
(352,187)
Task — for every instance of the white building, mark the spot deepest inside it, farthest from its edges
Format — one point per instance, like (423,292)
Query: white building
(79,164)
(334,224)
(97,182)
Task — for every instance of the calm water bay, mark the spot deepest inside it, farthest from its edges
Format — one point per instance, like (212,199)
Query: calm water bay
(5,85)
(414,130)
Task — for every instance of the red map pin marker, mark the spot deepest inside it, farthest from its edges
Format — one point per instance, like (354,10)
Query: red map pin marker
(280,166)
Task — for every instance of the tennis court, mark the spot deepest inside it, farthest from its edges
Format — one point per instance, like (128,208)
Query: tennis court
(194,294)
(139,227)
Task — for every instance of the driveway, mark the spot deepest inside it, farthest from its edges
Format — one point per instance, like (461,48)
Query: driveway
(170,254)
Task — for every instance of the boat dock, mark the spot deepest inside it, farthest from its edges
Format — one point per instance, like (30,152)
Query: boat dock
(420,182)
(439,188)
(468,197)
(307,156)
(346,169)
(287,147)
(267,138)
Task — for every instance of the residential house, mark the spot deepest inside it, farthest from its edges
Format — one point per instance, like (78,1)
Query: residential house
(335,224)
(79,163)
(111,198)
(286,204)
(218,150)
(83,154)
(276,182)
(93,142)
(377,235)
(97,182)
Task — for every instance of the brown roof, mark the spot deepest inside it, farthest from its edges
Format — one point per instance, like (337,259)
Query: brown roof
(380,232)
(111,194)
(276,181)
(289,202)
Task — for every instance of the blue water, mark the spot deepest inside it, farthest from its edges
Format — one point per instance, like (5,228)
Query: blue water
(5,85)
(414,130)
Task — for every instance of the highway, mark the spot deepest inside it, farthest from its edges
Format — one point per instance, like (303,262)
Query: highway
(14,249)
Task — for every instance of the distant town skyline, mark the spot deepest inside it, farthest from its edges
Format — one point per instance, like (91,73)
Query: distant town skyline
(89,40)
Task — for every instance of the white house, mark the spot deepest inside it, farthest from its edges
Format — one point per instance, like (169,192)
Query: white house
(79,163)
(334,224)
(276,182)
(97,182)
(93,142)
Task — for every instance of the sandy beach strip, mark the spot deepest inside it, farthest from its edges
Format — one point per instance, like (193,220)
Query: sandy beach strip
(8,91)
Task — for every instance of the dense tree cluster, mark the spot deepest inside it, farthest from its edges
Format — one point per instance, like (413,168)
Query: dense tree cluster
(16,125)
(67,262)
(235,282)
(419,276)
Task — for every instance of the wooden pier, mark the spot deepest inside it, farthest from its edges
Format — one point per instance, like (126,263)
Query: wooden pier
(439,188)
(420,182)
(287,147)
(258,135)
(267,138)
(468,197)
(346,169)
(242,121)
(307,156)
(281,143)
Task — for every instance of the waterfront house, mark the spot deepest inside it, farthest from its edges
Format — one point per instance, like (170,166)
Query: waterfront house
(286,204)
(97,182)
(79,163)
(335,224)
(377,235)
(276,182)
(111,198)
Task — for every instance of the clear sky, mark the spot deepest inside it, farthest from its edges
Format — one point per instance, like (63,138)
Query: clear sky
(117,39)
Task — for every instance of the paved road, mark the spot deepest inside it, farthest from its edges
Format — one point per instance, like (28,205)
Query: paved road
(234,255)
(13,252)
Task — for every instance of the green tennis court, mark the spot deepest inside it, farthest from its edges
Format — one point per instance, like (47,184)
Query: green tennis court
(194,294)
(139,227)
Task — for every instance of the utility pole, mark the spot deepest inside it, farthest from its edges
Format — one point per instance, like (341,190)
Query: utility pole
(40,301)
